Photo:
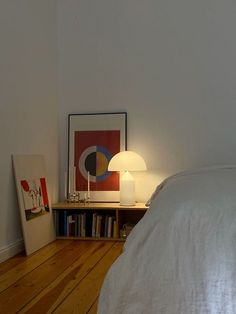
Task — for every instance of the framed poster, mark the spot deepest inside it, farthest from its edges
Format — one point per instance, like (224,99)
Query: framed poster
(93,139)
(33,199)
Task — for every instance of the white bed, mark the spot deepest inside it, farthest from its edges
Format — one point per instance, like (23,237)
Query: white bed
(181,257)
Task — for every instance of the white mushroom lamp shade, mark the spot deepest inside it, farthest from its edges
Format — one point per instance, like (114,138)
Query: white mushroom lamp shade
(125,162)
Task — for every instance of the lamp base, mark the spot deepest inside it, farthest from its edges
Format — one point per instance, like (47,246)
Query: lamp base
(127,190)
(127,203)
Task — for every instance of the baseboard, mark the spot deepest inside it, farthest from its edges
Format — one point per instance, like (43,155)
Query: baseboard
(12,249)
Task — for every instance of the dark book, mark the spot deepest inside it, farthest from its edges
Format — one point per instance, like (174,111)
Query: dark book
(83,225)
(65,224)
(60,221)
(89,224)
(94,223)
(106,226)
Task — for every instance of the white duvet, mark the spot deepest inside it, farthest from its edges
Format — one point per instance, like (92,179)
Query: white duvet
(181,257)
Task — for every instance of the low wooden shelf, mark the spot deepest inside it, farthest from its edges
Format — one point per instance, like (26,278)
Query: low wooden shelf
(71,217)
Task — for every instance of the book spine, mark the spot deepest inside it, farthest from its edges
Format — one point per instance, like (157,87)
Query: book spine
(94,223)
(106,227)
(98,226)
(115,235)
(65,223)
(68,228)
(56,222)
(109,231)
(83,225)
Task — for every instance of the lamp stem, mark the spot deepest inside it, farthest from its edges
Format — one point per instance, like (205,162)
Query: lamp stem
(127,189)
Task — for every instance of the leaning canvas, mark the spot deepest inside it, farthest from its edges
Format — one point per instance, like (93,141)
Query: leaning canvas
(33,198)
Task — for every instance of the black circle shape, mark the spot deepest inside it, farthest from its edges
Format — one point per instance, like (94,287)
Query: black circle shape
(91,163)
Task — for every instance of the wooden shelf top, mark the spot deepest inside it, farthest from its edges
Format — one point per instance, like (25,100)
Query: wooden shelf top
(98,205)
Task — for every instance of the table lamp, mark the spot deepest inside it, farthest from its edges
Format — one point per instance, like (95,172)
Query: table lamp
(125,162)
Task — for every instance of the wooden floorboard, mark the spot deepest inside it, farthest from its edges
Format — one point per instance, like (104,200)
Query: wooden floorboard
(63,277)
(93,308)
(87,291)
(22,265)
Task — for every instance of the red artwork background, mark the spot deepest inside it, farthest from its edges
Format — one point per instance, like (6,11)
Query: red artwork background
(110,140)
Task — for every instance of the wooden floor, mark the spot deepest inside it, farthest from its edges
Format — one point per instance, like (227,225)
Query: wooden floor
(63,277)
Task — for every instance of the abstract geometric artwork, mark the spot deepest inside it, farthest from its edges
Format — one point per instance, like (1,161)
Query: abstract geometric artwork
(93,139)
(93,151)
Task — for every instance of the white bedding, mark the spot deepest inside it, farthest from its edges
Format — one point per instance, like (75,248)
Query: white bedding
(181,257)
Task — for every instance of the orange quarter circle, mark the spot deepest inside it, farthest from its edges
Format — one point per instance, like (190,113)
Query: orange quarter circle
(101,164)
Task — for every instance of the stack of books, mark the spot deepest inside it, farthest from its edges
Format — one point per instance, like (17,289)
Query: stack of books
(87,224)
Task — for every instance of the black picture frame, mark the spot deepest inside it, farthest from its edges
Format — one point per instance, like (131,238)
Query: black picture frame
(101,131)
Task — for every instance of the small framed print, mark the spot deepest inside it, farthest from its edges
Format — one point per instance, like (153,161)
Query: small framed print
(93,139)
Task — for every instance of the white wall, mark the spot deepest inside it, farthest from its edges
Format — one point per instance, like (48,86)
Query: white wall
(28,102)
(170,64)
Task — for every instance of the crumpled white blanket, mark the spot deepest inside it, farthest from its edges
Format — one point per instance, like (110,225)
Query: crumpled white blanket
(181,257)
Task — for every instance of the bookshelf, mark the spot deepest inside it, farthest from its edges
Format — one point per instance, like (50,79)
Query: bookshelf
(106,221)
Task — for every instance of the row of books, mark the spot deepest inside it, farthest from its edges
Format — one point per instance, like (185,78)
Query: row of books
(86,224)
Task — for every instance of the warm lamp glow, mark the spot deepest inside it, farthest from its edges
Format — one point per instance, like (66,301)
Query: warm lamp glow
(127,161)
